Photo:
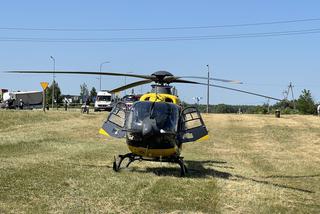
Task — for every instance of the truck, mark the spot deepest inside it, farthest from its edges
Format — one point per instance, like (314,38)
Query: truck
(104,101)
(30,99)
(2,91)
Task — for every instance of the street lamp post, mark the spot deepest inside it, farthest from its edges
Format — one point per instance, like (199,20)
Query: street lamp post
(197,99)
(208,89)
(53,76)
(101,69)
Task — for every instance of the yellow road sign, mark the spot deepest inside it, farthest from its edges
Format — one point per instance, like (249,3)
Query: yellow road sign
(44,85)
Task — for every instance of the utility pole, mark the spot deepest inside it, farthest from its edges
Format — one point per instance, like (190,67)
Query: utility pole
(53,77)
(294,103)
(208,89)
(286,94)
(100,71)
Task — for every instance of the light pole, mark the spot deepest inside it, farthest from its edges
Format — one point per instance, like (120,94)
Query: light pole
(53,76)
(197,99)
(101,69)
(208,90)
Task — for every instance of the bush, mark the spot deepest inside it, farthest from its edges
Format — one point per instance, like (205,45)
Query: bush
(306,104)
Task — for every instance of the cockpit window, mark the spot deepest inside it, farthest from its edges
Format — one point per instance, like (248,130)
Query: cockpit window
(130,98)
(165,115)
(103,98)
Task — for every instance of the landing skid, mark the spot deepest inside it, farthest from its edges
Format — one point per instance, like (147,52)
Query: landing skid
(132,157)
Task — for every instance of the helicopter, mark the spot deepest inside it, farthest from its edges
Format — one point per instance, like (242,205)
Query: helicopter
(156,126)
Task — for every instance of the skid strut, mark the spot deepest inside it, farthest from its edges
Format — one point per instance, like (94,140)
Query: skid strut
(132,157)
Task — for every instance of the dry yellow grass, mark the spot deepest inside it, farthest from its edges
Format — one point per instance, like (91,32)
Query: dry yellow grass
(57,162)
(275,163)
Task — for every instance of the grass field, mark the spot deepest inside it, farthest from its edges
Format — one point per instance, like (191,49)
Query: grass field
(57,162)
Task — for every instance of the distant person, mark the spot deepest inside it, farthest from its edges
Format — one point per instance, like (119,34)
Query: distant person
(6,104)
(11,104)
(318,109)
(85,106)
(21,104)
(65,103)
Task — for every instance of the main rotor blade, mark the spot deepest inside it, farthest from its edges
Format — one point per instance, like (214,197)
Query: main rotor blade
(185,81)
(228,88)
(149,79)
(131,85)
(86,73)
(243,91)
(215,79)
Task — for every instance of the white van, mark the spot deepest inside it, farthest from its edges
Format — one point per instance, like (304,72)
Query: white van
(103,101)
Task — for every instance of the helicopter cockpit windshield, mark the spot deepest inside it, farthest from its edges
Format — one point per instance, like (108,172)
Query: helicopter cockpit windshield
(164,115)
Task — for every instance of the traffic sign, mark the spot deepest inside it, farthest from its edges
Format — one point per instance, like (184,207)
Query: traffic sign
(44,85)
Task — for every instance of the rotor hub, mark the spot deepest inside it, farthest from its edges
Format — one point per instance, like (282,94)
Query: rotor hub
(162,77)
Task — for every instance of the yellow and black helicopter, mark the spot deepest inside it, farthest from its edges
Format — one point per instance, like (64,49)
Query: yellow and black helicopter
(156,126)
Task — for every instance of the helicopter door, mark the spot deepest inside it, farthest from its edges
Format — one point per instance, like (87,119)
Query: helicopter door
(114,126)
(192,126)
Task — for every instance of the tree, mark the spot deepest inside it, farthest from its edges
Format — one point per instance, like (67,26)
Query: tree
(286,106)
(222,108)
(57,93)
(84,92)
(305,103)
(93,94)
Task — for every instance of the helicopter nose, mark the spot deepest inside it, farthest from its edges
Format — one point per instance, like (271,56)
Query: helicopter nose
(147,129)
(149,126)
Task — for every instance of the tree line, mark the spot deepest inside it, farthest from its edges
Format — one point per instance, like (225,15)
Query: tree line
(84,95)
(305,104)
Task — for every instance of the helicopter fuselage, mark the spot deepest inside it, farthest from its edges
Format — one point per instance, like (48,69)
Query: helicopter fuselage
(152,126)
(156,126)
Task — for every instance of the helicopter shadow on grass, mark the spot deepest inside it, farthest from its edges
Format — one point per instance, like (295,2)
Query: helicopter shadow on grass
(292,176)
(197,169)
(89,165)
(203,169)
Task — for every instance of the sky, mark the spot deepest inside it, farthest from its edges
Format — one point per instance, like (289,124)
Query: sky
(265,64)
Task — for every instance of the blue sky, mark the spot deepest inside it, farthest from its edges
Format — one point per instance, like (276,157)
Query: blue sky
(266,65)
